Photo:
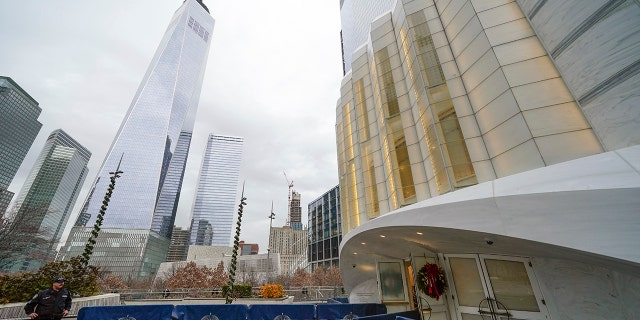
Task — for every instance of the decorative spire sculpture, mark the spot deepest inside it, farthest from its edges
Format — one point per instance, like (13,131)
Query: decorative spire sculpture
(88,248)
(234,256)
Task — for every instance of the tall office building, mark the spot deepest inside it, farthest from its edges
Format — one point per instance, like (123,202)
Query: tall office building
(499,140)
(179,245)
(295,211)
(214,203)
(48,195)
(325,232)
(291,245)
(151,149)
(19,127)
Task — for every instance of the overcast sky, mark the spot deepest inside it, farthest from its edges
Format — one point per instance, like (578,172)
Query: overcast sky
(273,78)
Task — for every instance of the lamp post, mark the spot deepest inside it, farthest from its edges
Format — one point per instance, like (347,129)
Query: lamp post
(271,217)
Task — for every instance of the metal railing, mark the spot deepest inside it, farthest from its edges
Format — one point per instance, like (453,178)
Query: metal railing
(311,293)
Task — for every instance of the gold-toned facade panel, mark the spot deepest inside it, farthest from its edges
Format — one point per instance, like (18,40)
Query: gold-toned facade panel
(509,32)
(529,71)
(488,90)
(500,15)
(516,51)
(568,146)
(479,71)
(555,92)
(518,159)
(443,100)
(466,53)
(565,117)
(507,135)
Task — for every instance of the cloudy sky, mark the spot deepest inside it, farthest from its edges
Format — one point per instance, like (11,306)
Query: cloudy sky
(273,78)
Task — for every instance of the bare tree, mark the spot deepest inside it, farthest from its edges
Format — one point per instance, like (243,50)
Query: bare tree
(20,233)
(319,276)
(301,278)
(283,279)
(162,279)
(333,277)
(249,277)
(111,282)
(220,276)
(192,276)
(144,283)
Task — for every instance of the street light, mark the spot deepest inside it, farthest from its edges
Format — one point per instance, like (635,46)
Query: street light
(271,217)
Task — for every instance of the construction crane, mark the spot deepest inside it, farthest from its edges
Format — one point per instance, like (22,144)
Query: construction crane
(290,184)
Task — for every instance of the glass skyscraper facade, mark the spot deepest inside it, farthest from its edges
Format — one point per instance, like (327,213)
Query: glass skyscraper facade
(151,149)
(49,195)
(19,127)
(214,204)
(325,231)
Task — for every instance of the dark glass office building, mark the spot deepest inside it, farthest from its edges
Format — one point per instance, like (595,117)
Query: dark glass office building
(19,127)
(48,196)
(151,149)
(325,231)
(215,201)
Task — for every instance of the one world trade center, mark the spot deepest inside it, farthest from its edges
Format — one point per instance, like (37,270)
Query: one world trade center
(151,148)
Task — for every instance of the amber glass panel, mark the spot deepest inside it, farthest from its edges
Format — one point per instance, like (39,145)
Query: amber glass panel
(370,186)
(347,131)
(467,281)
(511,285)
(404,170)
(352,197)
(437,159)
(344,217)
(401,170)
(446,145)
(439,93)
(402,162)
(387,85)
(361,107)
(456,148)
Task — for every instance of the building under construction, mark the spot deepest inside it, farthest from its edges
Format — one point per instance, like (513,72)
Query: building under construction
(290,241)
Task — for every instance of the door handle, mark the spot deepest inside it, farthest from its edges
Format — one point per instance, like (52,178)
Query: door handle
(493,305)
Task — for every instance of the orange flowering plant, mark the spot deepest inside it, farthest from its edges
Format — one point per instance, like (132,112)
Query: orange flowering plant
(272,291)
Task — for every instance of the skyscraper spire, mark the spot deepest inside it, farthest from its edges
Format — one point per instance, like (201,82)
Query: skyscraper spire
(203,5)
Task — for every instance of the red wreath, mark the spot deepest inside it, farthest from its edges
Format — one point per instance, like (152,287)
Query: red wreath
(431,280)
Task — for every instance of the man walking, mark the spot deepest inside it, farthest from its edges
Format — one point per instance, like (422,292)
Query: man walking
(50,304)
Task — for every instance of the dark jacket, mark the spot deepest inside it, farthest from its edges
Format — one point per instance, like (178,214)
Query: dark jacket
(49,304)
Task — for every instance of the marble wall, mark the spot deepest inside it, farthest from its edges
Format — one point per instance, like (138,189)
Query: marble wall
(596,47)
(575,290)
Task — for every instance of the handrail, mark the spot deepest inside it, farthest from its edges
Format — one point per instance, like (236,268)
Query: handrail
(493,305)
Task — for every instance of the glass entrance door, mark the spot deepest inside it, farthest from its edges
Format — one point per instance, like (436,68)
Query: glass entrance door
(495,287)
(391,281)
(431,308)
